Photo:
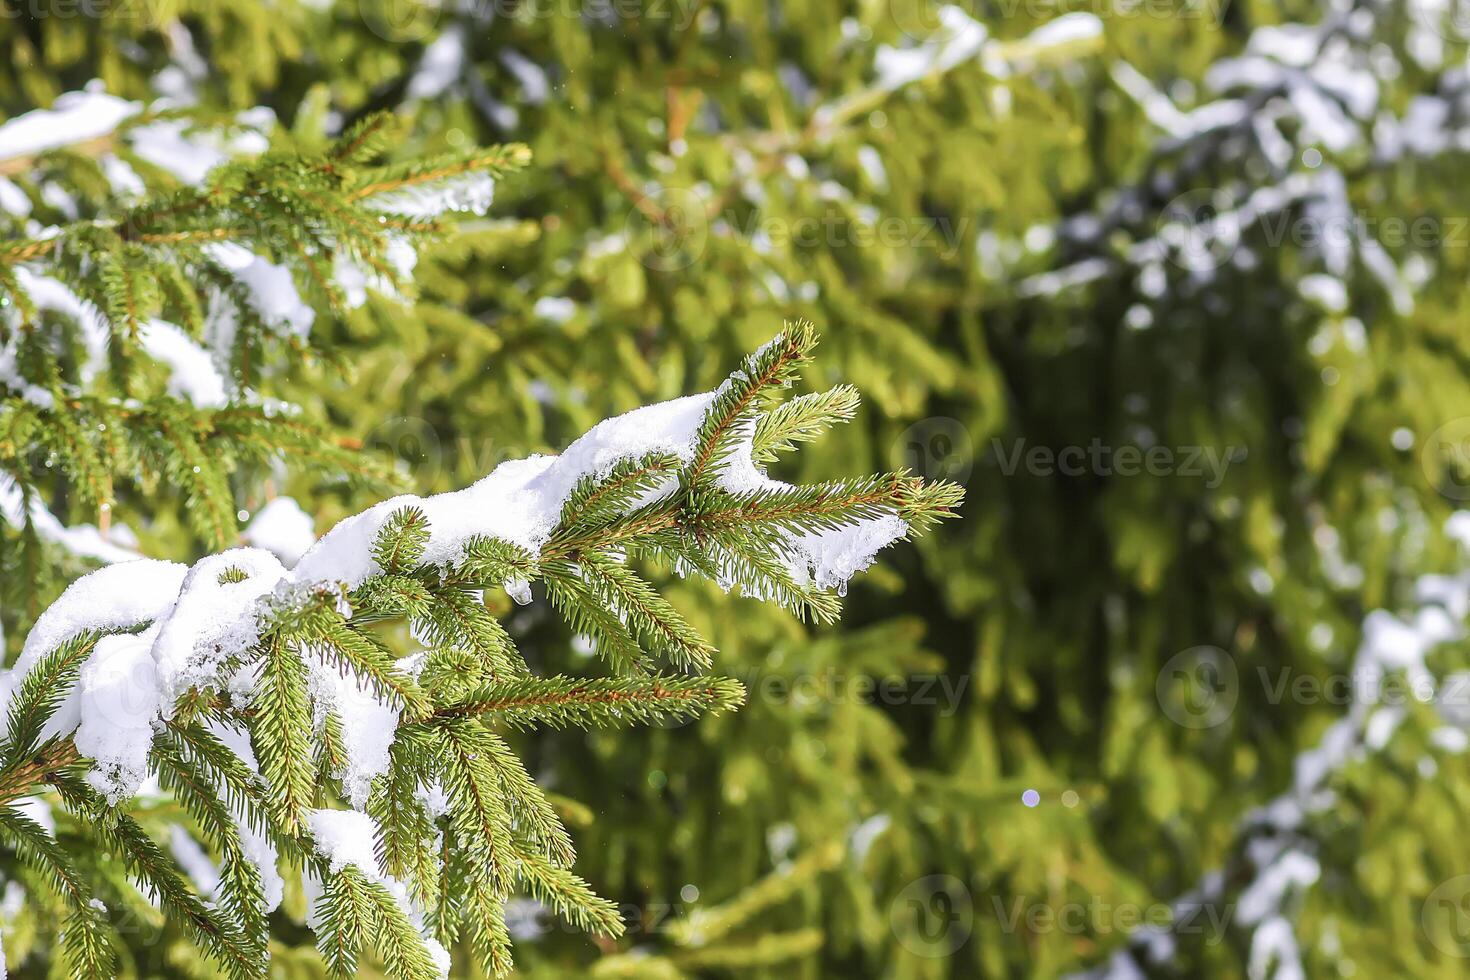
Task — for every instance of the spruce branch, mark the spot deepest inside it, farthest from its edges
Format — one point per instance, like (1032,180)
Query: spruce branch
(495,162)
(400,544)
(43,690)
(599,702)
(772,366)
(306,667)
(86,943)
(280,729)
(802,419)
(121,836)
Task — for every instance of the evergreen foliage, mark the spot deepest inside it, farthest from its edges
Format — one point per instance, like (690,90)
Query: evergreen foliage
(702,172)
(454,823)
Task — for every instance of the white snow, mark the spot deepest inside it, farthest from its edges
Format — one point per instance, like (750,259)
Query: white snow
(556,309)
(190,154)
(195,862)
(1275,848)
(73,118)
(118,698)
(123,178)
(520,501)
(355,281)
(282,528)
(13,200)
(164,145)
(84,540)
(1265,894)
(1275,954)
(872,163)
(532,77)
(51,294)
(38,810)
(212,619)
(827,559)
(272,291)
(369,726)
(259,851)
(473,192)
(866,833)
(960,38)
(192,374)
(441,64)
(116,597)
(345,838)
(1328,292)
(1066,29)
(519,590)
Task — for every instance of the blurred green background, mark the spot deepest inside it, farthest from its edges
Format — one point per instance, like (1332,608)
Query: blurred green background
(1175,289)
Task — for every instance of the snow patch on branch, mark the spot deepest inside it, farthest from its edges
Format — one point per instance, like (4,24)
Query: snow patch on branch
(369,726)
(74,117)
(1274,842)
(345,838)
(213,618)
(282,528)
(473,193)
(272,291)
(519,502)
(258,849)
(189,153)
(82,540)
(118,699)
(192,373)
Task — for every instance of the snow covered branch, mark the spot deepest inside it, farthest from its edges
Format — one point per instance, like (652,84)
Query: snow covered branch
(238,681)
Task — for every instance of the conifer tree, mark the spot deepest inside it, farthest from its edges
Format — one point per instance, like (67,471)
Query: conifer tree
(1056,280)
